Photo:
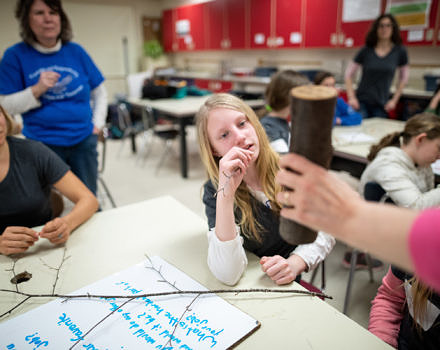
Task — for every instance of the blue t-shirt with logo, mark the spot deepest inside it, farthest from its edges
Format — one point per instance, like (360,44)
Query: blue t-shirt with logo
(65,115)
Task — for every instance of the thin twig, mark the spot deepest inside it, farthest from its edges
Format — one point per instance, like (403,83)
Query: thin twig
(187,308)
(182,292)
(16,306)
(102,320)
(226,183)
(57,269)
(159,272)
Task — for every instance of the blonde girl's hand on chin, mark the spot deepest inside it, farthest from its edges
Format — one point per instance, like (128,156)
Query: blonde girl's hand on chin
(232,168)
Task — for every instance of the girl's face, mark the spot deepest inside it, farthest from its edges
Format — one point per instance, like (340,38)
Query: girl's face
(385,29)
(228,128)
(428,151)
(44,22)
(329,82)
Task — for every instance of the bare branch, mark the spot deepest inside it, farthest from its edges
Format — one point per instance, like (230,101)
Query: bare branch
(16,306)
(57,269)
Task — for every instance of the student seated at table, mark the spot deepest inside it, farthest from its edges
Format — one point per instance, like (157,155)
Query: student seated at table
(28,170)
(344,114)
(240,197)
(277,96)
(401,163)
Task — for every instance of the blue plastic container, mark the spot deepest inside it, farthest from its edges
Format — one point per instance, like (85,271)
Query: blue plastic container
(431,82)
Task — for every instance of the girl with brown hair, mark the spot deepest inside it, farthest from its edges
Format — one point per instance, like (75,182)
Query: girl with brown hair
(240,196)
(405,311)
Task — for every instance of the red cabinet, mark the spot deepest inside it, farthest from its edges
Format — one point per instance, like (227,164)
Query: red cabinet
(169,39)
(321,23)
(213,85)
(288,17)
(190,20)
(237,24)
(214,12)
(260,23)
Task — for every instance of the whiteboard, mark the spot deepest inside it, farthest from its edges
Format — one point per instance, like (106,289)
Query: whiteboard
(147,322)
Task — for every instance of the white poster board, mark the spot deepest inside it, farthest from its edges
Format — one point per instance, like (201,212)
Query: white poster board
(356,11)
(144,323)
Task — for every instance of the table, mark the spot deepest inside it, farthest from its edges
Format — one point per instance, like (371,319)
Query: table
(352,143)
(118,238)
(181,112)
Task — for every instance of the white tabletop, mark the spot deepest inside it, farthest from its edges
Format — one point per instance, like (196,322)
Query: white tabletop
(119,238)
(184,107)
(357,140)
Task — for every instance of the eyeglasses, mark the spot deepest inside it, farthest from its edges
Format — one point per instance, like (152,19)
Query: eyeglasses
(385,25)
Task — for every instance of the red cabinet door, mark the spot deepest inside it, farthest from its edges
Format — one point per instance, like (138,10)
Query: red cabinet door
(260,23)
(354,33)
(429,34)
(214,15)
(193,37)
(235,22)
(288,23)
(168,30)
(321,23)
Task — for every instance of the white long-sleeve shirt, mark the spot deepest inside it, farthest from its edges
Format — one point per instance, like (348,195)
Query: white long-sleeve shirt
(227,259)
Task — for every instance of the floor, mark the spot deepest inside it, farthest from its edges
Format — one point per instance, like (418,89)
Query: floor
(132,178)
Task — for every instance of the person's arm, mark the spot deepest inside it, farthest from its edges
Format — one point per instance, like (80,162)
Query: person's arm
(20,102)
(226,259)
(323,202)
(387,309)
(401,83)
(59,229)
(350,72)
(99,102)
(433,104)
(314,253)
(346,114)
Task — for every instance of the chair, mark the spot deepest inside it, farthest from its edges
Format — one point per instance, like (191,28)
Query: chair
(102,138)
(315,272)
(372,192)
(166,132)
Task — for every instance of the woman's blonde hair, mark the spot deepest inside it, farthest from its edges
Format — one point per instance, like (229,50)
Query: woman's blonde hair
(9,121)
(420,123)
(266,163)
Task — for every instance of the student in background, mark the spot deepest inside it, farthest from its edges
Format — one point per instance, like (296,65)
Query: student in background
(56,87)
(277,96)
(240,197)
(434,104)
(344,114)
(28,170)
(382,54)
(401,163)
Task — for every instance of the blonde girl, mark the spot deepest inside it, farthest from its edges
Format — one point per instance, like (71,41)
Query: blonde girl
(240,196)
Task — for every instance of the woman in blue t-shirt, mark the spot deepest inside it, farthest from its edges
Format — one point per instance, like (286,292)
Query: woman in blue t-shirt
(382,54)
(56,87)
(28,171)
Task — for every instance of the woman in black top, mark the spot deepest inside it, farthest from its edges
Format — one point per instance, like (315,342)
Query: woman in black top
(382,54)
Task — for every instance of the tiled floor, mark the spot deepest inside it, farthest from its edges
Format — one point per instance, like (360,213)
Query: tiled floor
(132,180)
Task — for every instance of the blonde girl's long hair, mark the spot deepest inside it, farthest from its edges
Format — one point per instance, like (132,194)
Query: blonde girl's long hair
(266,163)
(420,295)
(420,123)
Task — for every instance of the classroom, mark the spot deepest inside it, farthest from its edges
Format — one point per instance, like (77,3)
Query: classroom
(194,174)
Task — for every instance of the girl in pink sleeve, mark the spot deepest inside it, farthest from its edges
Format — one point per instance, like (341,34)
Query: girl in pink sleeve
(405,313)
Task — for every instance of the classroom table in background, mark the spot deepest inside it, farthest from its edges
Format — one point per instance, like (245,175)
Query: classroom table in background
(116,239)
(181,112)
(352,143)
